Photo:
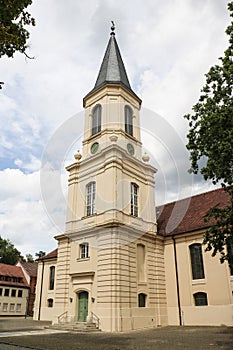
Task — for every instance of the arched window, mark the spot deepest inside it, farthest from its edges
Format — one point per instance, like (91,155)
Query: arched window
(96,119)
(141,300)
(200,299)
(50,302)
(51,277)
(128,120)
(196,261)
(90,203)
(134,199)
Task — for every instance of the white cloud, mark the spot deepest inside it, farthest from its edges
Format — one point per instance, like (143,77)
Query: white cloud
(167,47)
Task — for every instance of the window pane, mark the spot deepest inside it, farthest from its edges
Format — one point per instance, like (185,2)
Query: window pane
(128,120)
(51,278)
(84,250)
(197,261)
(7,292)
(141,300)
(134,199)
(20,293)
(200,299)
(91,198)
(96,120)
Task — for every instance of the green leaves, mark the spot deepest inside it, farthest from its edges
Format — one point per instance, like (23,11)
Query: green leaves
(8,253)
(13,18)
(210,142)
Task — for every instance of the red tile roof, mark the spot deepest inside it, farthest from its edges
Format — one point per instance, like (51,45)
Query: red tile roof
(188,214)
(13,271)
(31,268)
(50,255)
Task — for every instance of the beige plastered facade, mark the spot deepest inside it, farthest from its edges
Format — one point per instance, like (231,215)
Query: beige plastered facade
(126,255)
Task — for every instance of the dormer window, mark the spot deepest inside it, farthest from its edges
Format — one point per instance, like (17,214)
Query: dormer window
(128,120)
(96,120)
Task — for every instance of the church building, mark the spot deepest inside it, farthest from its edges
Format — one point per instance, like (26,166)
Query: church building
(117,264)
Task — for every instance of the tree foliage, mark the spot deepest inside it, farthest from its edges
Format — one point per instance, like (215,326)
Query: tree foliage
(40,254)
(8,253)
(210,142)
(29,258)
(13,19)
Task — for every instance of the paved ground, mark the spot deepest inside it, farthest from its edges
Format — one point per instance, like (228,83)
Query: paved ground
(167,338)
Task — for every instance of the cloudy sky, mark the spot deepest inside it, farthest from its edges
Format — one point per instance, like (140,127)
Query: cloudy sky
(167,47)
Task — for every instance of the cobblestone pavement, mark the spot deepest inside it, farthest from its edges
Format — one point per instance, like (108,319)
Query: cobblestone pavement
(167,338)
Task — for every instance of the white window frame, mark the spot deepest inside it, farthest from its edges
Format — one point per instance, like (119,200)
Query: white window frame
(134,199)
(90,198)
(84,250)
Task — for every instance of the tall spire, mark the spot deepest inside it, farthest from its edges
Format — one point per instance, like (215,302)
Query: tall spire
(112,70)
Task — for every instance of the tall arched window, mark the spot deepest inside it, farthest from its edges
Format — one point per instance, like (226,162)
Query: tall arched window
(196,261)
(200,299)
(134,199)
(51,277)
(128,120)
(90,203)
(96,119)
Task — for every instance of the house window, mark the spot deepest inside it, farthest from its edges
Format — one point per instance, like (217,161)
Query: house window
(0,291)
(18,307)
(50,302)
(51,277)
(196,261)
(200,299)
(20,293)
(4,306)
(84,250)
(13,293)
(96,120)
(128,120)
(134,199)
(90,198)
(141,300)
(12,307)
(6,292)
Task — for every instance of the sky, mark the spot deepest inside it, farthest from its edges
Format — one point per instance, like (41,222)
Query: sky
(167,48)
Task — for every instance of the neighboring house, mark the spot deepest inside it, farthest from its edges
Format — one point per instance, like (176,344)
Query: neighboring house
(14,291)
(120,260)
(45,289)
(30,273)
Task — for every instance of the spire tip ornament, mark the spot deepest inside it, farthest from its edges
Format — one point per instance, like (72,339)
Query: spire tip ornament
(113,28)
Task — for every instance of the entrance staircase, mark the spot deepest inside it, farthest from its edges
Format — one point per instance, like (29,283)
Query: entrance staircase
(76,327)
(65,323)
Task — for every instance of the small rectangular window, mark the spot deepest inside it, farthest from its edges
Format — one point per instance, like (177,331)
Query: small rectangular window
(0,291)
(4,306)
(18,307)
(13,293)
(141,300)
(200,299)
(20,293)
(12,307)
(84,250)
(6,292)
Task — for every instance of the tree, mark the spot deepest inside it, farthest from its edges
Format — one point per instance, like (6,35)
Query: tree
(8,253)
(40,254)
(210,142)
(13,19)
(30,258)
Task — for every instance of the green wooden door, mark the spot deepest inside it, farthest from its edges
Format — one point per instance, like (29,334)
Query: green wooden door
(82,306)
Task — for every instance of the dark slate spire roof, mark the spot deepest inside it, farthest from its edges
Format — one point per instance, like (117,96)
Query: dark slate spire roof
(112,70)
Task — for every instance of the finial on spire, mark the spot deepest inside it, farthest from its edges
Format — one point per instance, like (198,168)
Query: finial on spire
(113,28)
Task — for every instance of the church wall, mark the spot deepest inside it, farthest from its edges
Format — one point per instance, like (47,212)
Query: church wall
(217,284)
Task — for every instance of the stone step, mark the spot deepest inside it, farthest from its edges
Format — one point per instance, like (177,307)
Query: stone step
(76,327)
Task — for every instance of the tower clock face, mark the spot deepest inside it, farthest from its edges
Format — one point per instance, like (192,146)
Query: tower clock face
(130,149)
(94,147)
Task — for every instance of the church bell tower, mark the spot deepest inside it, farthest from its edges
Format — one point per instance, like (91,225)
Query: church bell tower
(116,271)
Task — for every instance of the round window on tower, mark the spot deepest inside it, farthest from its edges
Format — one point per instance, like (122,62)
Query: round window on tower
(130,149)
(94,147)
